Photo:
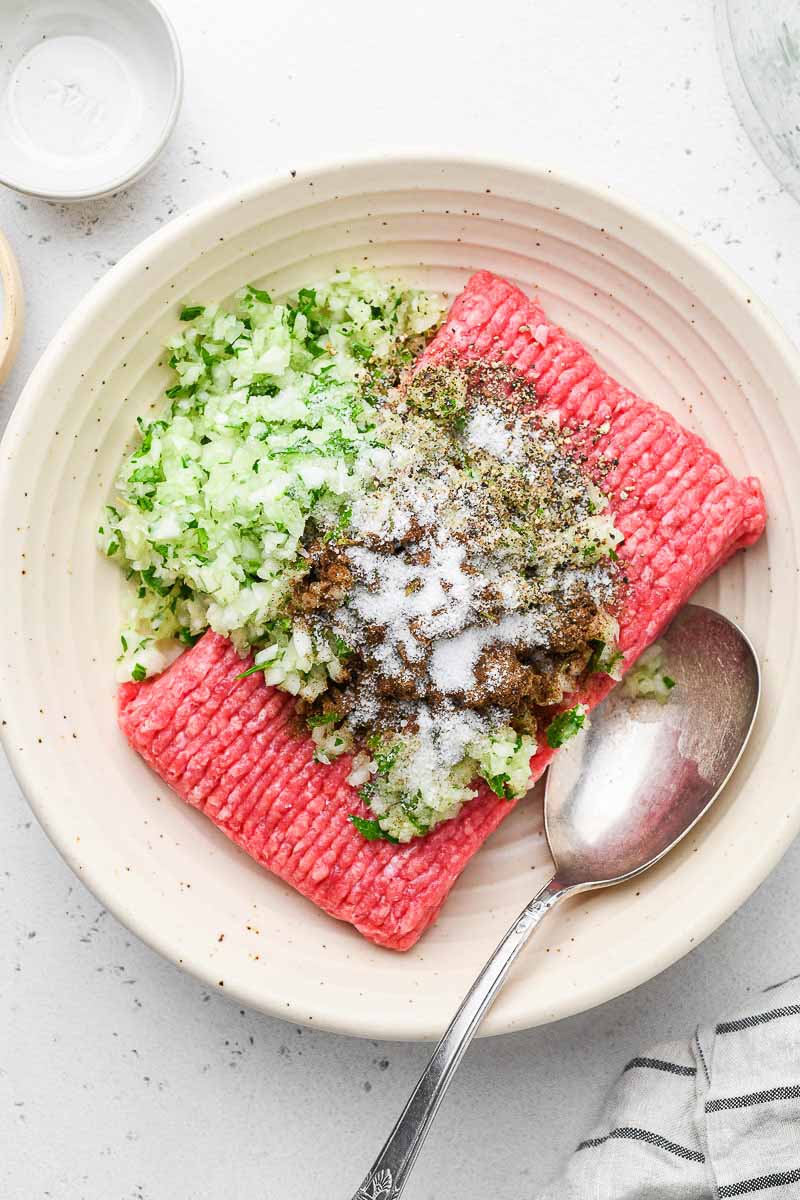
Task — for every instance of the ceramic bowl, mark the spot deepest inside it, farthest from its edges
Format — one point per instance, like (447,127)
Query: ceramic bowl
(89,93)
(664,316)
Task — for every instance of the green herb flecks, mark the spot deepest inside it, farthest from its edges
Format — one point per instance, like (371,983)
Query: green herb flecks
(340,647)
(262,386)
(259,294)
(370,829)
(604,659)
(500,786)
(565,726)
(328,718)
(253,670)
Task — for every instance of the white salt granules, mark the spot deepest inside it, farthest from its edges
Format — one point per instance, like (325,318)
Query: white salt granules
(488,430)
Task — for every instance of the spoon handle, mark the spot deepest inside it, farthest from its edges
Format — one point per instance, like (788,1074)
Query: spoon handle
(392,1167)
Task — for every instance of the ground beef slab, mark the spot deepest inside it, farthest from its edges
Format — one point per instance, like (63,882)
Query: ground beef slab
(229,747)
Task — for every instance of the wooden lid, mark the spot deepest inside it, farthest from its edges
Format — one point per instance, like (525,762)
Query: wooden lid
(12,308)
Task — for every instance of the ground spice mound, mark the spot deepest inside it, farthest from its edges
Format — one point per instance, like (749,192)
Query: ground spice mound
(478,575)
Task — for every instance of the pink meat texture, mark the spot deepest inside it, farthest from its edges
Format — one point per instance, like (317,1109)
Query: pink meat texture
(229,747)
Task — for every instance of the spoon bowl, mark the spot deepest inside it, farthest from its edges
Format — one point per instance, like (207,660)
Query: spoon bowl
(641,775)
(619,796)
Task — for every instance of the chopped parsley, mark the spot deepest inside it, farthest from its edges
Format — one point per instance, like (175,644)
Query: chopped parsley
(500,785)
(259,294)
(262,386)
(604,658)
(386,759)
(253,670)
(370,829)
(327,718)
(565,726)
(340,647)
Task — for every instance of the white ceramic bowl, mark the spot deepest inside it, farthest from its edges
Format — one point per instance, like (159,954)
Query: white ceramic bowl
(664,316)
(89,93)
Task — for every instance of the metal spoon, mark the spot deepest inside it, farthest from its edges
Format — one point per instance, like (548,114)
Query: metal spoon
(619,796)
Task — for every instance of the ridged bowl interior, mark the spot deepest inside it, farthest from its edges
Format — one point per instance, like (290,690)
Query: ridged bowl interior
(663,317)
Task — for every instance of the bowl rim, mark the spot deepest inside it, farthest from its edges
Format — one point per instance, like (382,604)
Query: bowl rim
(325,1014)
(67,196)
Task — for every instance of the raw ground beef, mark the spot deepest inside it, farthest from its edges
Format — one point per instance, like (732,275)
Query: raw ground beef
(228,746)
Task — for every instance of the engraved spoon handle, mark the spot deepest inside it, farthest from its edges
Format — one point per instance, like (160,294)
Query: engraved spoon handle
(391,1169)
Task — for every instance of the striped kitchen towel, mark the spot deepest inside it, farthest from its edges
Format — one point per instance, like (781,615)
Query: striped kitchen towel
(717,1118)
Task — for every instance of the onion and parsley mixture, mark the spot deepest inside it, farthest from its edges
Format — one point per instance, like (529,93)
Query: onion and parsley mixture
(416,557)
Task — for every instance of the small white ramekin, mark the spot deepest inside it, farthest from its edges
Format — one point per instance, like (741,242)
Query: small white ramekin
(89,93)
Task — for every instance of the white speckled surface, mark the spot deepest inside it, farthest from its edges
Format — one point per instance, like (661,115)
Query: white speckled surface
(120,1078)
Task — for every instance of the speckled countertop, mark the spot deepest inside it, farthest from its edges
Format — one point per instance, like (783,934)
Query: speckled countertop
(122,1079)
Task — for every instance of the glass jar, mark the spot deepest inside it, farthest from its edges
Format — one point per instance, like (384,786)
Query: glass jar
(759,45)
